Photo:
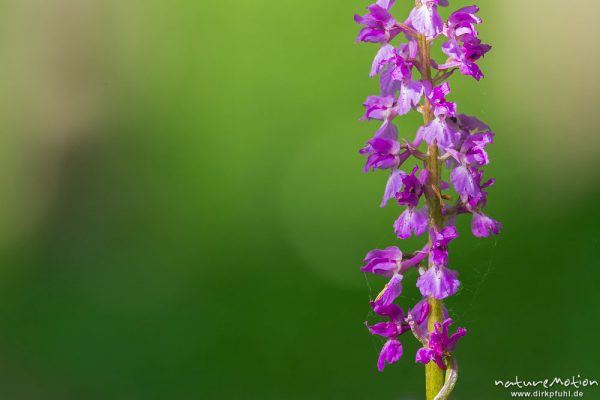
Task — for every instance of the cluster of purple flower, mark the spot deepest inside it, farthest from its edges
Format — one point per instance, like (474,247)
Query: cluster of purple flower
(461,141)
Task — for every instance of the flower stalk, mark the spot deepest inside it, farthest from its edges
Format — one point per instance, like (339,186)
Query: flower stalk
(434,375)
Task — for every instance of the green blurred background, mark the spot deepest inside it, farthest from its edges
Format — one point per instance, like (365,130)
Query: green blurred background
(183,210)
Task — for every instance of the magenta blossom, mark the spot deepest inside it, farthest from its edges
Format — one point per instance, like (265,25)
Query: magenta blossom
(379,107)
(390,263)
(392,349)
(391,330)
(412,188)
(420,312)
(440,344)
(464,56)
(383,150)
(462,22)
(380,26)
(439,244)
(439,131)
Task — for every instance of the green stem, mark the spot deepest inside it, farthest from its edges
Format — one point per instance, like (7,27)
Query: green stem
(434,376)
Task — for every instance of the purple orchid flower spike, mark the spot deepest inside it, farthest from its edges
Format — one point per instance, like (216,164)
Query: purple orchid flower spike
(457,141)
(440,344)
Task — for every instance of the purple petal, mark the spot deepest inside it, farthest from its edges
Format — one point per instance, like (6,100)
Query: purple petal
(471,123)
(412,220)
(460,332)
(391,291)
(424,355)
(410,96)
(438,282)
(420,311)
(471,69)
(385,329)
(377,107)
(388,85)
(482,225)
(439,131)
(383,150)
(445,236)
(453,50)
(381,266)
(392,253)
(393,186)
(383,56)
(426,20)
(387,131)
(439,256)
(464,182)
(390,353)
(415,259)
(393,311)
(383,262)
